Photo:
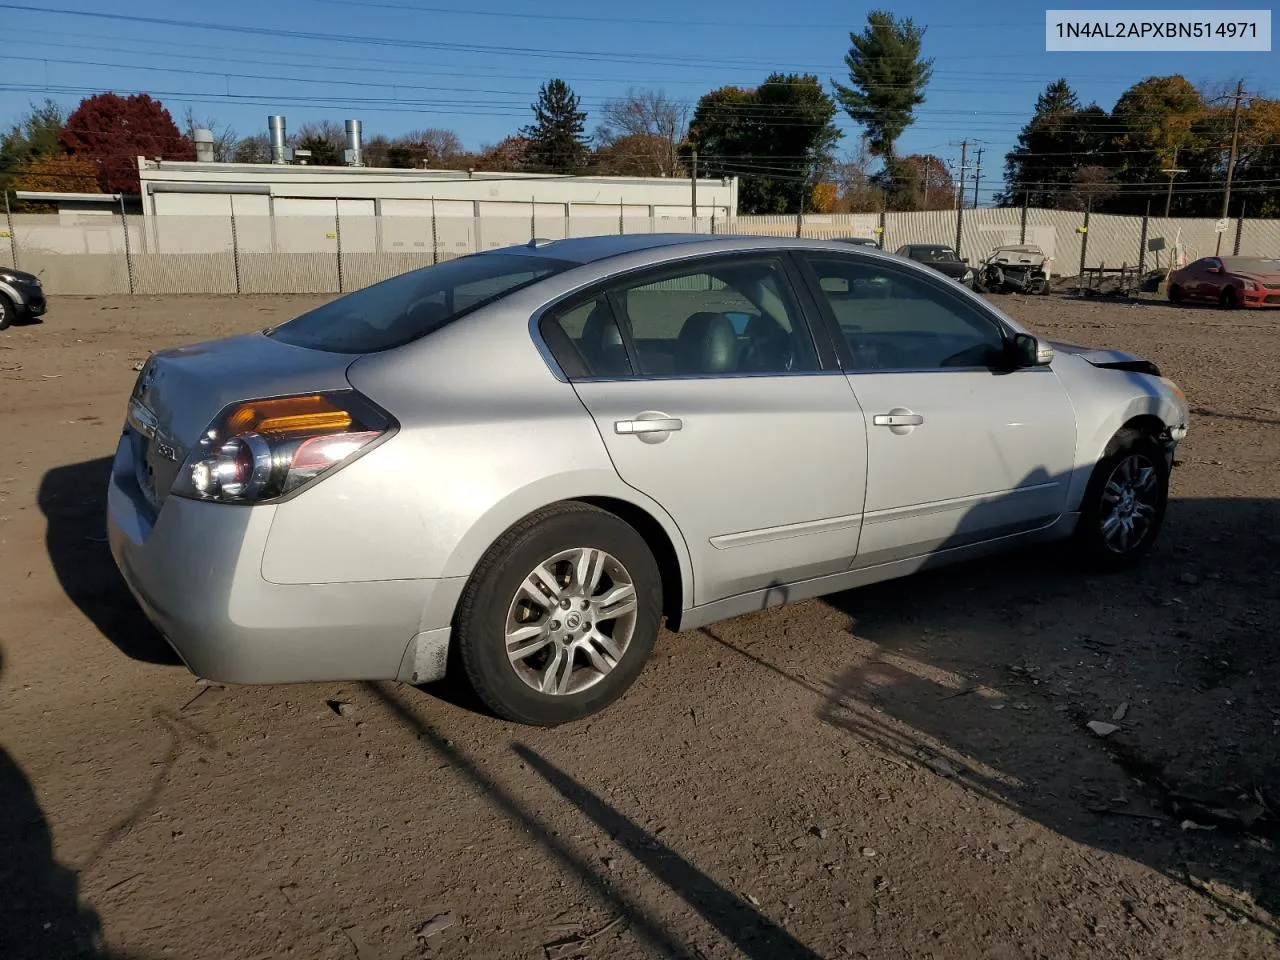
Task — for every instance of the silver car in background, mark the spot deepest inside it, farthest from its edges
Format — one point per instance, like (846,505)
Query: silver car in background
(521,461)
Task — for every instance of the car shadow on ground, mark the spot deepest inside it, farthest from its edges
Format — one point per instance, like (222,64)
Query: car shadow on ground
(73,499)
(989,673)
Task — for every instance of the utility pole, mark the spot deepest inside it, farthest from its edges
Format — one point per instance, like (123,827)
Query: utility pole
(693,183)
(1231,161)
(1172,172)
(964,165)
(977,177)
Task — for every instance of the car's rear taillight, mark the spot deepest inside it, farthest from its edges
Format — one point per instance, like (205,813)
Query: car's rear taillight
(260,450)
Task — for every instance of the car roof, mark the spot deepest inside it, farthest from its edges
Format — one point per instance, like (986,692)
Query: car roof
(583,250)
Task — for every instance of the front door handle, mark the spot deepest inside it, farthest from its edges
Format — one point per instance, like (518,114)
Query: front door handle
(897,419)
(655,425)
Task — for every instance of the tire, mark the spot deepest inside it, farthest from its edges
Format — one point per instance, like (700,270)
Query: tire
(1229,299)
(1176,295)
(498,601)
(1120,488)
(7,311)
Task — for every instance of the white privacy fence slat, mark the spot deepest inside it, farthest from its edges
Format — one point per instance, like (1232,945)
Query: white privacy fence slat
(94,254)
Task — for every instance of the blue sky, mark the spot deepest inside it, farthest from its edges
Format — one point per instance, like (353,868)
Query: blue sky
(990,60)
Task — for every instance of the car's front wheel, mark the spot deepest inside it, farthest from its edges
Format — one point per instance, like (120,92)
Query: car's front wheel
(559,616)
(1175,294)
(1230,299)
(6,311)
(1124,505)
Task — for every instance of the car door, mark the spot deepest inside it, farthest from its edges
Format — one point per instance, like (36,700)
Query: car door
(1203,285)
(961,448)
(1212,279)
(713,398)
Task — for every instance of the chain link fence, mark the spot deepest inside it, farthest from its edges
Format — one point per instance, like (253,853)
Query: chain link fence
(99,254)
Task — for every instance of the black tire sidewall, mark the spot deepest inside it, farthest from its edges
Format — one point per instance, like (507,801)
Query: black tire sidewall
(1089,534)
(1175,294)
(7,311)
(481,624)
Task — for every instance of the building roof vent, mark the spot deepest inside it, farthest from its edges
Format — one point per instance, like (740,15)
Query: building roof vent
(204,144)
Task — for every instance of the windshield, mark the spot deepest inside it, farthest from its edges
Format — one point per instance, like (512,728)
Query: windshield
(1252,264)
(933,254)
(412,305)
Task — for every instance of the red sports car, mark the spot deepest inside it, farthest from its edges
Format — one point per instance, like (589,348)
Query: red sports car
(1228,281)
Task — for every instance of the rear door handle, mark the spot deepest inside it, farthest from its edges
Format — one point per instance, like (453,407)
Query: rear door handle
(897,419)
(656,425)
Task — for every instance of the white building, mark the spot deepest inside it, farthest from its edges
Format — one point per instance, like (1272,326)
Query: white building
(302,209)
(185,188)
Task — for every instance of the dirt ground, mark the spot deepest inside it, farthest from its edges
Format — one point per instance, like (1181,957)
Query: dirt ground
(900,771)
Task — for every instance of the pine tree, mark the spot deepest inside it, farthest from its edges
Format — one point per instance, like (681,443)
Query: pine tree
(556,140)
(1058,139)
(887,80)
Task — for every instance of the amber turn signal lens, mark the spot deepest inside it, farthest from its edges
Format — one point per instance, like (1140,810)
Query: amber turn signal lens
(306,414)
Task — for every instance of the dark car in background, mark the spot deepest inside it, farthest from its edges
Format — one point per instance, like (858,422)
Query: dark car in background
(941,258)
(21,296)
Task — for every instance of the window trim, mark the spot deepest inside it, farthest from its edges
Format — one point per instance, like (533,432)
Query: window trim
(828,362)
(924,275)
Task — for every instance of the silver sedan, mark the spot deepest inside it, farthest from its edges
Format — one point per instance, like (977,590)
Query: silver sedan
(518,464)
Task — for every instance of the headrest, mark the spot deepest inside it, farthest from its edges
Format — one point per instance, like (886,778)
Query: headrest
(707,344)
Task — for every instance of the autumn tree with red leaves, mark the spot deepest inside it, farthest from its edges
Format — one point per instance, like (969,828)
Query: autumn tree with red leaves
(113,131)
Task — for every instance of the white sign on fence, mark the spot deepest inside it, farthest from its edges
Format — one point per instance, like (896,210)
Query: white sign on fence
(1220,226)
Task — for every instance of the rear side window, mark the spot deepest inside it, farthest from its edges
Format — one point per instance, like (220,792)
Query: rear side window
(412,305)
(592,332)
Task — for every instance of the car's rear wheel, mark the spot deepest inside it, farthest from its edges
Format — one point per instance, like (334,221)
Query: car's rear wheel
(559,616)
(1175,294)
(1230,299)
(7,311)
(1124,504)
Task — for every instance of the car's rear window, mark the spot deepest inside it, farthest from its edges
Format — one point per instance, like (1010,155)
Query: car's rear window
(412,305)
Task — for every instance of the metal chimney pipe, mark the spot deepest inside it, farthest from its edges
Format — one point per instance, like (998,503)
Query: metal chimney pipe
(275,124)
(204,144)
(354,155)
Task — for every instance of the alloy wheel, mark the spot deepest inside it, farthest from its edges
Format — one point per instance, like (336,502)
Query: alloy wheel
(1130,501)
(571,621)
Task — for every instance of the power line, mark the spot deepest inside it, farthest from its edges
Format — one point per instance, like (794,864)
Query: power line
(578,18)
(656,59)
(178,50)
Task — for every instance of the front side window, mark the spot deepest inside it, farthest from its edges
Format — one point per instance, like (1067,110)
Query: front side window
(722,318)
(412,305)
(893,320)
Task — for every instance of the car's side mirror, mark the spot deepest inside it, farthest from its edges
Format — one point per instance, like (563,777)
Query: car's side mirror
(1212,270)
(964,259)
(1029,351)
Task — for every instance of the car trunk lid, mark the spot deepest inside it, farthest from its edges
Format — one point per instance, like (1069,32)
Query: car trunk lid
(180,391)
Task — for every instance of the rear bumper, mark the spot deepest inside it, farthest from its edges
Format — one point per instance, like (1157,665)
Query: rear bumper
(196,571)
